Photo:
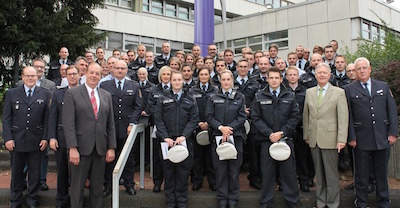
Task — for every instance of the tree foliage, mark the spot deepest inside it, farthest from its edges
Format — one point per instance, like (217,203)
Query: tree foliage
(41,27)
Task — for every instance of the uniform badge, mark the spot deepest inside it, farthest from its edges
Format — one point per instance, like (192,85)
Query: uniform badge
(17,105)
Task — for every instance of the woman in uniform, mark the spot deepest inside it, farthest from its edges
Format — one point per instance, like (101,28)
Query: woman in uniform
(225,114)
(202,154)
(176,118)
(175,64)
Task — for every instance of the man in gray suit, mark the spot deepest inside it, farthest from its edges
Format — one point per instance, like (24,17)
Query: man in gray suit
(90,136)
(325,125)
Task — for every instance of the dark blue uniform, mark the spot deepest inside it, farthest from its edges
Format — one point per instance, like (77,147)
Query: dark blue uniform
(127,108)
(25,120)
(56,131)
(272,114)
(373,117)
(174,118)
(202,154)
(227,111)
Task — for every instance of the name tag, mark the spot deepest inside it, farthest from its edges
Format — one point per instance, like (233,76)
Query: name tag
(198,96)
(129,90)
(380,92)
(156,96)
(218,101)
(267,102)
(285,101)
(168,101)
(39,101)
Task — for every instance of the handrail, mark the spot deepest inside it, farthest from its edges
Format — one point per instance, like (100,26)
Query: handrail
(119,167)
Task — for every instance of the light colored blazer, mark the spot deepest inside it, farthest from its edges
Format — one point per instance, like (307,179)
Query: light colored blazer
(327,124)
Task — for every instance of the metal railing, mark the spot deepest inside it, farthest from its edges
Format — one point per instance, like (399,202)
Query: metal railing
(119,167)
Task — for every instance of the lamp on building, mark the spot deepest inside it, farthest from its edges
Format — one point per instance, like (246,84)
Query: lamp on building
(269,6)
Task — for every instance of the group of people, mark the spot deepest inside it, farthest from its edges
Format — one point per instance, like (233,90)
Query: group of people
(316,107)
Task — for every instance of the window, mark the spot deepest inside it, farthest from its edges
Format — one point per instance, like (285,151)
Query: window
(114,40)
(170,10)
(255,42)
(157,7)
(187,47)
(126,3)
(375,32)
(278,35)
(183,13)
(239,44)
(365,30)
(382,36)
(146,5)
(112,2)
(131,42)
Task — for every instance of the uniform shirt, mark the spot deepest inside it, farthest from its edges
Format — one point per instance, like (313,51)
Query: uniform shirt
(96,95)
(27,89)
(201,86)
(239,79)
(278,90)
(368,85)
(169,85)
(122,83)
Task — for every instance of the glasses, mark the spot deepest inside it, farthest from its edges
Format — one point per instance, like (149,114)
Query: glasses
(38,67)
(242,67)
(72,74)
(119,68)
(307,52)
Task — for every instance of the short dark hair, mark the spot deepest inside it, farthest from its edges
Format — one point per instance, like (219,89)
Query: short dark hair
(274,69)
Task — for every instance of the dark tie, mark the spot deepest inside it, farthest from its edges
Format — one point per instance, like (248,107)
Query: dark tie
(242,80)
(330,65)
(299,64)
(94,104)
(366,89)
(176,96)
(29,93)
(165,87)
(204,87)
(340,76)
(63,62)
(264,79)
(119,86)
(274,93)
(230,68)
(148,68)
(142,84)
(186,85)
(227,94)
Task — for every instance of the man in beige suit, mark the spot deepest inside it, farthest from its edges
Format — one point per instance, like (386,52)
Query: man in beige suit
(325,124)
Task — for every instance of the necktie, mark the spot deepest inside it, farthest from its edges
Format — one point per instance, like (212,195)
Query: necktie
(274,93)
(242,80)
(330,65)
(227,94)
(264,79)
(320,95)
(299,66)
(230,68)
(186,85)
(165,87)
(366,89)
(148,68)
(119,86)
(176,96)
(29,93)
(142,84)
(94,104)
(204,87)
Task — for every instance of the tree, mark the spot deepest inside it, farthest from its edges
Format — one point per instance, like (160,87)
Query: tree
(41,27)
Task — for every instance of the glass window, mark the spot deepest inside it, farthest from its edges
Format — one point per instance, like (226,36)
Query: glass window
(255,39)
(131,45)
(112,2)
(256,47)
(184,13)
(217,18)
(157,7)
(375,33)
(146,5)
(281,44)
(365,30)
(240,42)
(170,10)
(276,4)
(114,40)
(278,35)
(382,36)
(126,3)
(187,46)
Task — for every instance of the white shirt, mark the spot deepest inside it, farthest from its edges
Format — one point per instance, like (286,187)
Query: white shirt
(96,95)
(323,91)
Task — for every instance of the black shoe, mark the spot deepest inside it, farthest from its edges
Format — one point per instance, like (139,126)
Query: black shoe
(196,187)
(304,188)
(371,188)
(121,181)
(106,191)
(157,188)
(310,183)
(280,188)
(342,166)
(213,187)
(349,187)
(255,184)
(131,191)
(44,187)
(232,206)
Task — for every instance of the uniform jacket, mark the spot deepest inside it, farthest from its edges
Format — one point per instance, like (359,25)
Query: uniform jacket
(152,75)
(202,97)
(372,119)
(54,69)
(25,120)
(248,89)
(155,93)
(271,114)
(127,105)
(45,84)
(56,129)
(340,81)
(145,91)
(174,117)
(308,80)
(327,124)
(135,65)
(160,61)
(81,129)
(226,111)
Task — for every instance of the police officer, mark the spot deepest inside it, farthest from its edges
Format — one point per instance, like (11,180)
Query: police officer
(226,115)
(220,65)
(140,60)
(127,108)
(373,128)
(164,77)
(176,118)
(275,113)
(163,59)
(25,122)
(263,67)
(152,70)
(202,154)
(304,163)
(308,79)
(57,139)
(54,66)
(340,78)
(188,79)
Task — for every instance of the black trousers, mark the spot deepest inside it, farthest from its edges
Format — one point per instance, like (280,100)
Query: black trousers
(304,162)
(62,160)
(253,149)
(380,160)
(157,163)
(203,164)
(18,161)
(129,169)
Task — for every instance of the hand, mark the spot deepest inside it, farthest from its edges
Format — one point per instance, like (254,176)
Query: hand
(110,155)
(307,141)
(144,113)
(247,110)
(43,145)
(200,124)
(392,139)
(74,156)
(10,145)
(128,130)
(169,141)
(179,140)
(54,144)
(226,130)
(340,145)
(203,125)
(274,137)
(353,143)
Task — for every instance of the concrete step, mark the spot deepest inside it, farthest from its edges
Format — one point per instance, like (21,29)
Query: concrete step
(201,199)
